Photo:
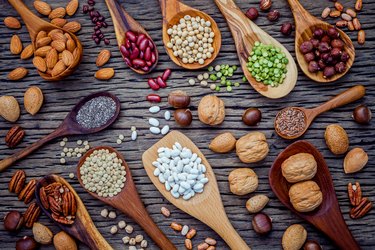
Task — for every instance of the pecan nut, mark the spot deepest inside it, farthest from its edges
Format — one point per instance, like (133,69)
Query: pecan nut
(14,136)
(28,192)
(362,209)
(43,198)
(355,193)
(17,182)
(31,215)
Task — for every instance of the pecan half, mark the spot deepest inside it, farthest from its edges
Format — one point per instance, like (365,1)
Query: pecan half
(355,193)
(43,198)
(31,215)
(28,192)
(54,205)
(64,220)
(14,136)
(362,209)
(17,182)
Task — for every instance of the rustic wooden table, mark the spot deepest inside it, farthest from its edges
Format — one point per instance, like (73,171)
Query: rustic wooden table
(132,89)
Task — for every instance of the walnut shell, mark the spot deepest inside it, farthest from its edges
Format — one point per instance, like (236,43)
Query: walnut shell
(294,237)
(223,143)
(252,147)
(211,110)
(243,181)
(355,160)
(336,139)
(305,196)
(299,167)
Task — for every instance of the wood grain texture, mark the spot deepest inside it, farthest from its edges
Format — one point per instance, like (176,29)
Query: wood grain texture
(131,89)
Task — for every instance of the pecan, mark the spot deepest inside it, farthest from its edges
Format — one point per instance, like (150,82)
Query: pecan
(355,193)
(43,198)
(51,188)
(31,215)
(28,192)
(362,209)
(65,204)
(17,182)
(14,136)
(64,220)
(54,205)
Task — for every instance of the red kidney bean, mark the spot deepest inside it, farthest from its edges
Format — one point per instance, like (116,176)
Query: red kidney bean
(153,57)
(166,75)
(151,44)
(151,82)
(134,54)
(128,44)
(143,44)
(147,55)
(160,82)
(131,36)
(134,46)
(128,62)
(153,98)
(141,55)
(145,68)
(140,38)
(149,63)
(124,51)
(138,62)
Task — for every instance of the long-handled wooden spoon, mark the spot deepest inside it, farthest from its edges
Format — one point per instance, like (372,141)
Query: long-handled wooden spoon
(245,33)
(69,126)
(83,228)
(123,22)
(34,24)
(348,96)
(173,11)
(207,206)
(128,202)
(305,25)
(327,217)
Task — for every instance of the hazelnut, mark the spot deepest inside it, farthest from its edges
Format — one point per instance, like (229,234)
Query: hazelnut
(262,223)
(286,29)
(26,243)
(251,116)
(311,245)
(252,13)
(13,221)
(211,110)
(362,114)
(178,99)
(265,5)
(273,15)
(183,117)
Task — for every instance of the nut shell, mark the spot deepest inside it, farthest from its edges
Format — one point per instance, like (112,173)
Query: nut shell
(256,203)
(26,243)
(336,139)
(17,182)
(223,143)
(262,223)
(305,196)
(63,241)
(9,108)
(243,181)
(178,99)
(355,160)
(33,100)
(294,237)
(42,234)
(299,167)
(183,117)
(252,147)
(13,221)
(211,110)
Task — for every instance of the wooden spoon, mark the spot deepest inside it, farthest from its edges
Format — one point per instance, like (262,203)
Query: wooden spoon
(348,96)
(128,202)
(83,227)
(305,24)
(34,24)
(327,217)
(123,22)
(173,11)
(69,126)
(207,206)
(245,33)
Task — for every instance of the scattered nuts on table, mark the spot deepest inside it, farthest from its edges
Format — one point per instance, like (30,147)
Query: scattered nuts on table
(9,108)
(299,167)
(138,238)
(129,229)
(175,226)
(178,99)
(103,57)
(362,114)
(354,193)
(265,5)
(113,230)
(121,224)
(273,15)
(27,194)
(286,29)
(26,243)
(144,243)
(262,223)
(33,100)
(188,244)
(31,214)
(192,232)
(13,221)
(183,117)
(42,234)
(256,203)
(126,239)
(17,182)
(305,196)
(211,110)
(12,22)
(252,13)
(355,160)
(252,147)
(210,241)
(63,241)
(294,237)
(165,211)
(336,139)
(251,116)
(223,143)
(311,245)
(243,181)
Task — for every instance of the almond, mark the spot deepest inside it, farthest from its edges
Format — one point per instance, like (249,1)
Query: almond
(58,12)
(105,73)
(15,45)
(59,22)
(51,58)
(72,7)
(256,203)
(59,45)
(42,7)
(223,143)
(70,45)
(58,69)
(56,36)
(40,63)
(40,35)
(27,52)
(17,74)
(43,42)
(67,58)
(33,100)
(72,26)
(54,31)
(103,57)
(361,37)
(12,22)
(355,160)
(75,53)
(42,51)
(9,108)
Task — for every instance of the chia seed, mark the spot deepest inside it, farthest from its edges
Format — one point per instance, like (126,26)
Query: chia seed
(96,112)
(290,122)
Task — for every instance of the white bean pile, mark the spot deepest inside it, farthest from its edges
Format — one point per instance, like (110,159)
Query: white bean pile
(181,171)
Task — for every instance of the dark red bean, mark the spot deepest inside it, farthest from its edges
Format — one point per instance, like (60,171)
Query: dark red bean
(124,51)
(85,9)
(128,45)
(153,98)
(145,68)
(141,55)
(166,74)
(134,54)
(101,35)
(101,18)
(131,36)
(96,27)
(94,20)
(151,82)
(140,38)
(149,63)
(151,44)
(107,41)
(160,82)
(105,25)
(153,57)
(128,62)
(143,44)
(134,46)
(148,54)
(97,40)
(138,62)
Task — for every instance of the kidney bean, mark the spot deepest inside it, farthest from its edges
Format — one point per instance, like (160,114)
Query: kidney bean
(149,63)
(131,36)
(124,51)
(128,44)
(134,54)
(151,44)
(141,55)
(107,41)
(145,68)
(153,57)
(138,62)
(151,82)
(161,82)
(166,74)
(128,62)
(153,98)
(140,38)
(143,44)
(147,54)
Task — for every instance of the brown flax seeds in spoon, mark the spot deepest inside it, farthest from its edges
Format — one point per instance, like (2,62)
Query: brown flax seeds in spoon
(290,122)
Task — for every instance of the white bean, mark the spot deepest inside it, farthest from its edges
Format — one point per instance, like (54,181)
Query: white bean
(165,130)
(153,122)
(167,115)
(155,130)
(154,109)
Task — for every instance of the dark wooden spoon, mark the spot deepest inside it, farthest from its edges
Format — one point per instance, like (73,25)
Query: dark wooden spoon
(128,202)
(69,126)
(348,96)
(83,227)
(328,216)
(123,22)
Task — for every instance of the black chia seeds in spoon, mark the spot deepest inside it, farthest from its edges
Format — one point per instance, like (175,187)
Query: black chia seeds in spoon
(96,112)
(290,122)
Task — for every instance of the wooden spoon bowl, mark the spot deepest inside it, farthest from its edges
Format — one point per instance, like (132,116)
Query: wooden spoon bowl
(129,202)
(207,206)
(305,25)
(328,216)
(173,11)
(83,227)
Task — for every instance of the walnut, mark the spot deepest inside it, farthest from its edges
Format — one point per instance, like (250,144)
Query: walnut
(243,181)
(299,167)
(211,110)
(252,147)
(305,196)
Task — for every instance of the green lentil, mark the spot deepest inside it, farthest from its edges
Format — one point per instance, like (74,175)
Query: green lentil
(210,68)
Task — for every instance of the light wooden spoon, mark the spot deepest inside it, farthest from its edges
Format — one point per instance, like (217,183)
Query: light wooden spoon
(305,24)
(245,33)
(173,11)
(207,206)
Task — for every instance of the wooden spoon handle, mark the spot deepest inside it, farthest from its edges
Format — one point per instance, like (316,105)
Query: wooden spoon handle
(122,21)
(303,19)
(345,97)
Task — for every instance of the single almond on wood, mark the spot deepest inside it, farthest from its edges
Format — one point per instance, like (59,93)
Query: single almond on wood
(58,69)
(17,74)
(59,22)
(43,42)
(33,100)
(72,26)
(361,37)
(12,22)
(15,45)
(40,63)
(105,73)
(67,58)
(42,51)
(9,108)
(42,7)
(59,45)
(27,52)
(70,45)
(72,7)
(57,13)
(103,57)
(355,160)
(40,35)
(223,143)
(51,58)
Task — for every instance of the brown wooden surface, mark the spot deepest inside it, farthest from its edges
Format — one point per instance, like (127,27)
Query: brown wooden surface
(131,89)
